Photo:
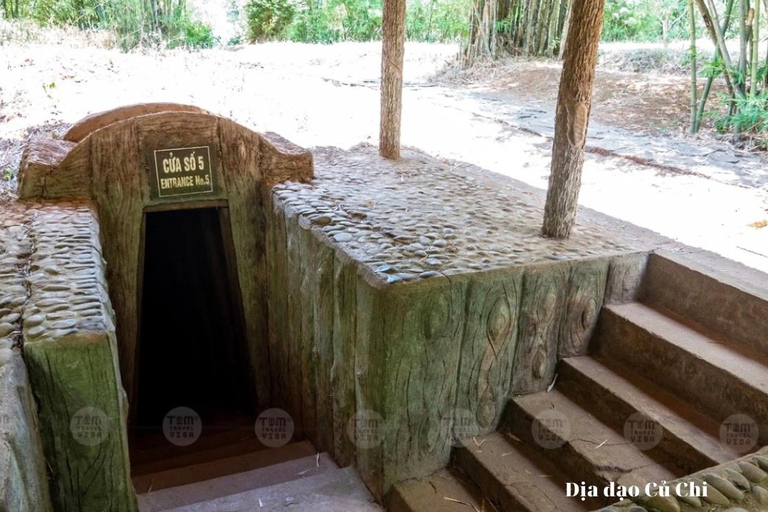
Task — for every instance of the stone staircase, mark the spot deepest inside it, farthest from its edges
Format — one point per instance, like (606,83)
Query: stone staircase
(691,353)
(294,476)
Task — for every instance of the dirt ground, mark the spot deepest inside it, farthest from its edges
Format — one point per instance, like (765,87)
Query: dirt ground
(634,89)
(327,95)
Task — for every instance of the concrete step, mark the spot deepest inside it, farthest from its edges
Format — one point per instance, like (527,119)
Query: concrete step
(149,446)
(217,463)
(339,490)
(720,294)
(235,482)
(616,394)
(515,476)
(580,445)
(446,490)
(715,375)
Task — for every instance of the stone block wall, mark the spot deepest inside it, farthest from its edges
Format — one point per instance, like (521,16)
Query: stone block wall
(408,361)
(71,354)
(23,477)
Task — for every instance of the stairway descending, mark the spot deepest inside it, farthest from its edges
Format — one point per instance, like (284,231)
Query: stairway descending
(687,356)
(293,476)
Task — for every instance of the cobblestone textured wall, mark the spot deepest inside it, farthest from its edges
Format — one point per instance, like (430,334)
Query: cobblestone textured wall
(71,354)
(399,309)
(740,485)
(23,477)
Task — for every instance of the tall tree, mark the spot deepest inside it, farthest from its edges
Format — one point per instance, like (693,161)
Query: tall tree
(574,102)
(393,48)
(694,84)
(755,51)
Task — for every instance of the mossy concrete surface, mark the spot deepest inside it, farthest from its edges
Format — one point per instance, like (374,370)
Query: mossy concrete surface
(23,476)
(71,353)
(410,300)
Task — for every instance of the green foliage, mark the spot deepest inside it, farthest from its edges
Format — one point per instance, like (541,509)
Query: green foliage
(750,115)
(135,22)
(644,20)
(199,35)
(268,19)
(83,13)
(336,20)
(436,20)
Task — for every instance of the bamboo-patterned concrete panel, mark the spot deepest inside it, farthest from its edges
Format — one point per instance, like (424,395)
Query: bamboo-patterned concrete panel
(241,152)
(345,320)
(541,314)
(307,347)
(586,290)
(294,316)
(625,278)
(407,367)
(488,347)
(120,191)
(323,259)
(277,300)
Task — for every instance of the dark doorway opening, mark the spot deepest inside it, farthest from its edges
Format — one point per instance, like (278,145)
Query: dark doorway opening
(192,351)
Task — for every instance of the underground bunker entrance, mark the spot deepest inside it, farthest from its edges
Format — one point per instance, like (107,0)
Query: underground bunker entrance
(192,350)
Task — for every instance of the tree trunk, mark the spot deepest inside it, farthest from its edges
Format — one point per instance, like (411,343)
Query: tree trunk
(694,84)
(755,51)
(743,14)
(765,79)
(553,29)
(573,106)
(716,34)
(710,79)
(393,48)
(564,39)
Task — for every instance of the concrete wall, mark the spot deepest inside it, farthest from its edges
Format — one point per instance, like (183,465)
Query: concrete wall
(409,361)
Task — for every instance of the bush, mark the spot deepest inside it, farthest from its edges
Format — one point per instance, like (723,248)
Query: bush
(750,117)
(267,19)
(436,20)
(199,35)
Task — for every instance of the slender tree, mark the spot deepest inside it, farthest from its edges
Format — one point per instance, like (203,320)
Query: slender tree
(755,51)
(574,102)
(694,84)
(716,59)
(743,41)
(711,22)
(393,49)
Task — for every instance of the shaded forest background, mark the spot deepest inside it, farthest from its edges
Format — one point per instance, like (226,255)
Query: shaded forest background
(737,60)
(179,23)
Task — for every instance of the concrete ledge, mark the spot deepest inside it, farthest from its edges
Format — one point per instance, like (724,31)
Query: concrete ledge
(718,293)
(23,476)
(71,352)
(396,301)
